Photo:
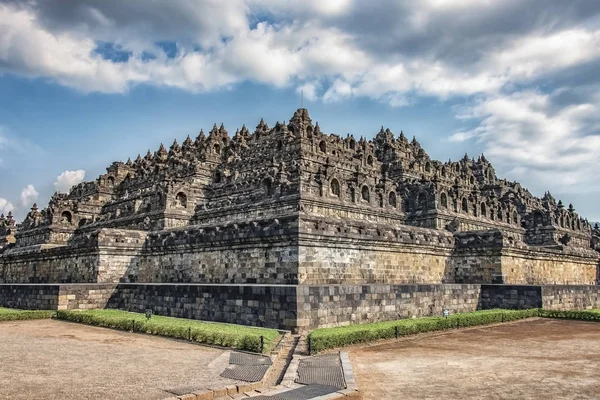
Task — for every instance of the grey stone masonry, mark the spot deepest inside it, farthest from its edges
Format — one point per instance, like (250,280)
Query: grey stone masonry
(570,297)
(288,226)
(511,296)
(290,204)
(30,297)
(272,306)
(298,308)
(56,296)
(337,305)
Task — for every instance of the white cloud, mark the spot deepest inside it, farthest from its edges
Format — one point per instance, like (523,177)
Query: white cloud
(28,196)
(534,55)
(446,4)
(308,7)
(510,56)
(325,41)
(339,91)
(461,136)
(308,91)
(268,53)
(67,179)
(5,206)
(527,135)
(24,45)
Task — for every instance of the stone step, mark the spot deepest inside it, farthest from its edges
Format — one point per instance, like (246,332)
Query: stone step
(281,364)
(302,347)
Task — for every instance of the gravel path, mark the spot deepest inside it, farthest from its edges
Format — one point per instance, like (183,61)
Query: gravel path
(50,359)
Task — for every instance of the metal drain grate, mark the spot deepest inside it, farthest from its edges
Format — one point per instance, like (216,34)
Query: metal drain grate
(248,359)
(328,360)
(321,370)
(246,373)
(303,393)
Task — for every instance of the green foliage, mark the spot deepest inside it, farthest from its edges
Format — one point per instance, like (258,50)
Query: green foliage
(327,338)
(587,315)
(12,314)
(226,335)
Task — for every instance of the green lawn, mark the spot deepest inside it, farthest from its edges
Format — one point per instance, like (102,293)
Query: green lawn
(13,314)
(327,338)
(220,334)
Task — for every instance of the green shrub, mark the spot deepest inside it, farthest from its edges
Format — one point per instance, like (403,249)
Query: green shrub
(587,315)
(225,335)
(327,338)
(12,314)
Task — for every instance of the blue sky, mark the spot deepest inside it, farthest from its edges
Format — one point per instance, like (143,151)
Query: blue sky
(86,83)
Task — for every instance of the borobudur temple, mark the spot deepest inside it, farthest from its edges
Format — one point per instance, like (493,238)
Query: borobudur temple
(289,209)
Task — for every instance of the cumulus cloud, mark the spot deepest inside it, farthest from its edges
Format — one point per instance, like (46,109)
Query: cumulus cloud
(36,44)
(67,179)
(539,54)
(339,91)
(5,206)
(384,50)
(28,196)
(536,141)
(308,90)
(523,67)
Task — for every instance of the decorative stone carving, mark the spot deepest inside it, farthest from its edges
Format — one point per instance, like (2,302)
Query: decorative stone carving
(565,239)
(290,183)
(453,226)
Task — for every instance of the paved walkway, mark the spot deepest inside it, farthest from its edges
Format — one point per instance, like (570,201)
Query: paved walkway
(50,359)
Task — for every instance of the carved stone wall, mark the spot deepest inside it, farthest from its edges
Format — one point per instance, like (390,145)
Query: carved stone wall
(291,204)
(356,251)
(102,256)
(51,266)
(261,263)
(546,268)
(495,257)
(350,264)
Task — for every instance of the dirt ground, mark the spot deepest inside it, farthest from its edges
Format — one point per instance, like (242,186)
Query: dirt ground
(532,359)
(47,359)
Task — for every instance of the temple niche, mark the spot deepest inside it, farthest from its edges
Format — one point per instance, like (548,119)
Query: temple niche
(253,206)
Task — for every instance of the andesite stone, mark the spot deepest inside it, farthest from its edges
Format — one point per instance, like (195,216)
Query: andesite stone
(291,205)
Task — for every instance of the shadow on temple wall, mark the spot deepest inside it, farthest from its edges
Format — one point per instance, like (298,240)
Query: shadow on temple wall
(450,271)
(464,269)
(512,297)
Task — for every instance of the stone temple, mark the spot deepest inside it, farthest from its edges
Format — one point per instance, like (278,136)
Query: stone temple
(293,218)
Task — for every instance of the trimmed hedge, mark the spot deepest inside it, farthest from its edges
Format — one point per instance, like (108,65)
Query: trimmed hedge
(587,315)
(328,338)
(219,334)
(13,314)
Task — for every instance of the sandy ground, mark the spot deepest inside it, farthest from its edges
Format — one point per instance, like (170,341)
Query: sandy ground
(533,359)
(47,359)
